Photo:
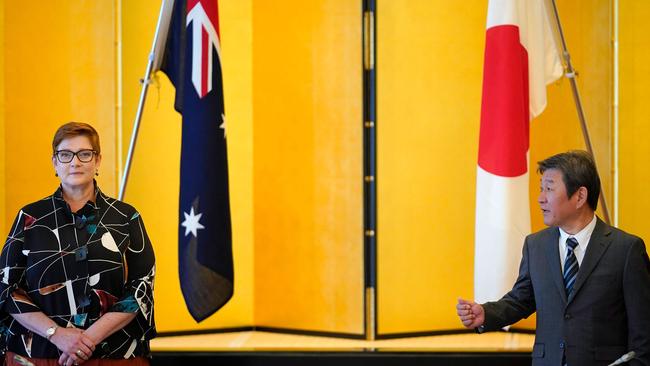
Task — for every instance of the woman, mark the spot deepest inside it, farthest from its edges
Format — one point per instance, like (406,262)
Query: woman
(77,269)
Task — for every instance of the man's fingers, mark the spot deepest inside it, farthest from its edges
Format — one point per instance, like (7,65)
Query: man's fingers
(467,310)
(467,317)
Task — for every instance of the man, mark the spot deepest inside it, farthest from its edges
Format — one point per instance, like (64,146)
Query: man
(588,282)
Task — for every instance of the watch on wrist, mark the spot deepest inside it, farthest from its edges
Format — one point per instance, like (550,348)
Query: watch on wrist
(50,332)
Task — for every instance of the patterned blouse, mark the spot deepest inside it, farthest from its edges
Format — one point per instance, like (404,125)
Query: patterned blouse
(75,267)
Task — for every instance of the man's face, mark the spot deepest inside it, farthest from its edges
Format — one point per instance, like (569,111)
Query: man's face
(558,209)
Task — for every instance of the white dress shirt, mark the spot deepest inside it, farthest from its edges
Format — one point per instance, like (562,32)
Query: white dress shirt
(582,237)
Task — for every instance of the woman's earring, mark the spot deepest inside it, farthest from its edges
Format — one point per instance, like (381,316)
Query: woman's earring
(56,174)
(97,173)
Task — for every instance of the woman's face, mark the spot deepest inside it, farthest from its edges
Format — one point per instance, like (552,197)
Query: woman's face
(76,174)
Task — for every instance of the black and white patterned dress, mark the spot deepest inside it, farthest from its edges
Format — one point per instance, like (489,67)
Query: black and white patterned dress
(75,267)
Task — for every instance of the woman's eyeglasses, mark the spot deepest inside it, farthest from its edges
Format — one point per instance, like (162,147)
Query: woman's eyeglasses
(66,156)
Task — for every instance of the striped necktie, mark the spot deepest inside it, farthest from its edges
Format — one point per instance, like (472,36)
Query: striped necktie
(570,265)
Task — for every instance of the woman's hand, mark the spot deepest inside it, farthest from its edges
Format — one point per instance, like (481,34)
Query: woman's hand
(69,360)
(66,360)
(76,346)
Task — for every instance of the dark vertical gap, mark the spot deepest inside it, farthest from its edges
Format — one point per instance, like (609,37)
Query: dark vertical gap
(369,168)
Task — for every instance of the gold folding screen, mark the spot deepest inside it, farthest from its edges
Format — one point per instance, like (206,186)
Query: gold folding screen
(634,140)
(430,57)
(307,165)
(3,170)
(58,66)
(292,86)
(428,104)
(292,91)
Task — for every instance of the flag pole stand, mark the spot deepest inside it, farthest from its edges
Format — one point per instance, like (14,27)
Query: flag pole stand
(166,7)
(570,73)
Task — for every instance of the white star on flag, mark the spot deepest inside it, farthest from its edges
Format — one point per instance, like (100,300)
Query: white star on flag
(192,223)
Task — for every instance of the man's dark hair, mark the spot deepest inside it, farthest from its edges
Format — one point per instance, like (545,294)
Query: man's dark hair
(578,170)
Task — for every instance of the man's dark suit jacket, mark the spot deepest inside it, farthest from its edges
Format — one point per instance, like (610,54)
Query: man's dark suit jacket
(606,315)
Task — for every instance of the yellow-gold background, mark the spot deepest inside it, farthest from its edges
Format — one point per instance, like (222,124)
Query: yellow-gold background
(292,87)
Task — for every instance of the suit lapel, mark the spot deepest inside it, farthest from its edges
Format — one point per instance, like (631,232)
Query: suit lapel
(597,246)
(553,258)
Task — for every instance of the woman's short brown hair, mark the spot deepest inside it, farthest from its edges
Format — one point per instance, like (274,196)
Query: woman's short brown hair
(73,129)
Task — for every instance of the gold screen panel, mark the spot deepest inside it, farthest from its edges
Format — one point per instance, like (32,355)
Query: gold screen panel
(428,97)
(634,138)
(308,165)
(54,72)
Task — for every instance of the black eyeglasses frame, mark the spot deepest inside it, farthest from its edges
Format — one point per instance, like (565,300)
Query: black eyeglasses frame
(58,158)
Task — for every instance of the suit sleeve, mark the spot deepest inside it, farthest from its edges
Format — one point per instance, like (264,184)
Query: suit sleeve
(517,304)
(636,292)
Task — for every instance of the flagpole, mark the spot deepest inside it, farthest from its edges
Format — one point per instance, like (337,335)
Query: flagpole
(165,10)
(570,73)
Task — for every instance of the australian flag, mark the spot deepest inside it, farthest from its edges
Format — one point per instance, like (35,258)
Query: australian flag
(192,62)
